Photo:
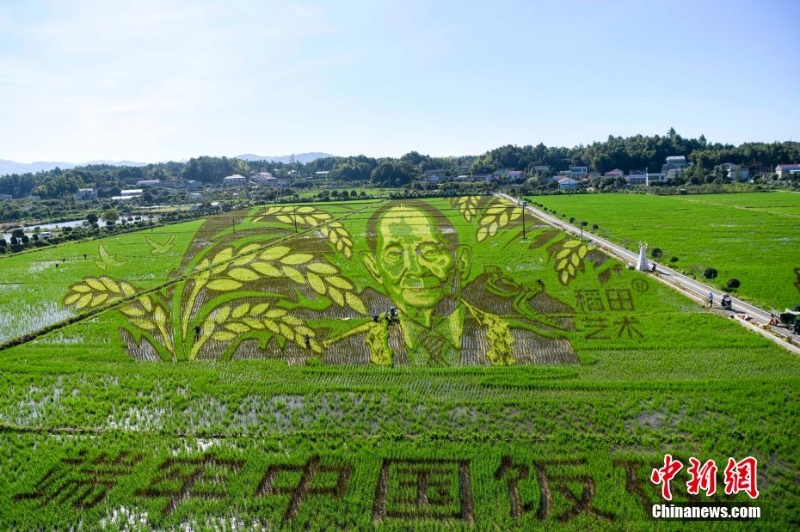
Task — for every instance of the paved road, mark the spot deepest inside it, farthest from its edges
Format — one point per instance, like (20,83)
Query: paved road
(690,287)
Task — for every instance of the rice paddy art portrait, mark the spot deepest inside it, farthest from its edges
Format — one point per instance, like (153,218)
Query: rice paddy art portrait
(415,256)
(408,282)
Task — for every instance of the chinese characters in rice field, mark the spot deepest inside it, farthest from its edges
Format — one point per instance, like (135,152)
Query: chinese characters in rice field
(405,489)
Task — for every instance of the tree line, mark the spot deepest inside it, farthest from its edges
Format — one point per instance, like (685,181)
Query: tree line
(638,153)
(626,153)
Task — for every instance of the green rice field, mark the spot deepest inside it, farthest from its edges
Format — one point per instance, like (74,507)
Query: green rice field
(383,365)
(753,237)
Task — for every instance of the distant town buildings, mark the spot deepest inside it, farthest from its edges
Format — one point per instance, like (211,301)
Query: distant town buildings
(263,178)
(637,177)
(655,177)
(578,172)
(128,194)
(736,173)
(434,176)
(673,167)
(85,194)
(234,180)
(567,183)
(784,170)
(148,183)
(675,171)
(677,160)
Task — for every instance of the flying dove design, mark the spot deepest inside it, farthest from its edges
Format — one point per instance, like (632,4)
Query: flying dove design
(107,259)
(159,248)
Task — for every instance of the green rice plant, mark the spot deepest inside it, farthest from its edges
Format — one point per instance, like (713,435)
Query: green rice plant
(309,217)
(497,214)
(751,236)
(228,322)
(89,435)
(34,282)
(225,270)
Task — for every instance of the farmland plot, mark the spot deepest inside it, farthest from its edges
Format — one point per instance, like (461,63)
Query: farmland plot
(750,237)
(33,283)
(544,388)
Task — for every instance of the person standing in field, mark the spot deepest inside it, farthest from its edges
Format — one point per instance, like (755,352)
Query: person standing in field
(415,256)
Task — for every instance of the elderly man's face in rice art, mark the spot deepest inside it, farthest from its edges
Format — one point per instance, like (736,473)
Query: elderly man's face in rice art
(412,260)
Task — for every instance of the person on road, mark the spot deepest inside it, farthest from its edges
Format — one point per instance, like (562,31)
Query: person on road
(710,299)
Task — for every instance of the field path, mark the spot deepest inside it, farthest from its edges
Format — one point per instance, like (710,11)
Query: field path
(692,288)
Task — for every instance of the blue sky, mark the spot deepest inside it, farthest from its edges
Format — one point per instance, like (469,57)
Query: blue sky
(152,80)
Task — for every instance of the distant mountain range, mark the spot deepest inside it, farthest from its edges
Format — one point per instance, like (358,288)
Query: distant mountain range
(301,158)
(12,167)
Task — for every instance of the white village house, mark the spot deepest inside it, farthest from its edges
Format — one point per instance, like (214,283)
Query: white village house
(234,180)
(784,170)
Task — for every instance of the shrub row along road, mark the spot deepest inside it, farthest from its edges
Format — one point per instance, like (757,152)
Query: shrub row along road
(696,290)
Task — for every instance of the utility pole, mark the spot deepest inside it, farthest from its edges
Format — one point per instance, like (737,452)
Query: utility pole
(524,233)
(294,210)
